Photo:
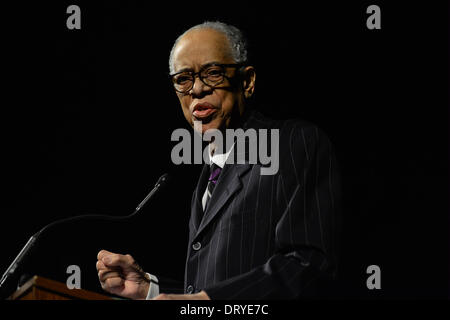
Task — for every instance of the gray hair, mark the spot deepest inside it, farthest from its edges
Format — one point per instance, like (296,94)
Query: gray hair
(238,44)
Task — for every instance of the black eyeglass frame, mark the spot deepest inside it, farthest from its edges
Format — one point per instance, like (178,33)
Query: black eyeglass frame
(203,68)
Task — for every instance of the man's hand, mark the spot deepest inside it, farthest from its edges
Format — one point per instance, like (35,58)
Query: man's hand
(196,296)
(121,275)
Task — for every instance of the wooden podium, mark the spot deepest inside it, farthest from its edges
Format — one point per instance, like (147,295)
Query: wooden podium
(39,288)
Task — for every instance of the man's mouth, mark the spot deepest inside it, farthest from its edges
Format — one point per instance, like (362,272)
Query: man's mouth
(204,110)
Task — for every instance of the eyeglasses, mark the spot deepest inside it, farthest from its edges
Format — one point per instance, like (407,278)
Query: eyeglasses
(212,75)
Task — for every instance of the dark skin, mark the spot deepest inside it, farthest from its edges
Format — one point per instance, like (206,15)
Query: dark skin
(120,274)
(200,47)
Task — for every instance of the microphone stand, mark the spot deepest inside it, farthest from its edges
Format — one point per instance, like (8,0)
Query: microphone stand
(9,273)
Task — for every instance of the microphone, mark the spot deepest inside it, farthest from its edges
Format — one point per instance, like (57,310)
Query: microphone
(162,181)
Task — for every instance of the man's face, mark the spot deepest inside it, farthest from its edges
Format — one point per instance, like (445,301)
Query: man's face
(216,107)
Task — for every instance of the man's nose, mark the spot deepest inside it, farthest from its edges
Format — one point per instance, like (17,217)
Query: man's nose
(199,87)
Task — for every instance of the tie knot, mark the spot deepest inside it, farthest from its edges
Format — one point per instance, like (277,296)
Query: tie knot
(214,170)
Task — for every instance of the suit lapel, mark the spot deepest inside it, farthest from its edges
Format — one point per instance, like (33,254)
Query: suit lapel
(228,184)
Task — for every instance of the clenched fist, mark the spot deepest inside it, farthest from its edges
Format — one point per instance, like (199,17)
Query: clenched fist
(120,275)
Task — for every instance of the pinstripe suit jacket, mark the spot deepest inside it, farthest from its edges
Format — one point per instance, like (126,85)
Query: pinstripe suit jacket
(267,236)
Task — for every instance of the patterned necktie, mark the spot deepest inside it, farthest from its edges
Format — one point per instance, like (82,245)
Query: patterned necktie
(215,170)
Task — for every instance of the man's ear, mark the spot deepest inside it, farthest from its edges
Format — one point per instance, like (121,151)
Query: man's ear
(248,83)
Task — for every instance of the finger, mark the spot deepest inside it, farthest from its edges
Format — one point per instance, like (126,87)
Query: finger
(100,265)
(104,275)
(103,253)
(118,260)
(113,283)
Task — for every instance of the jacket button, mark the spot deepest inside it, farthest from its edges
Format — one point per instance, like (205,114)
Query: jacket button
(196,246)
(189,289)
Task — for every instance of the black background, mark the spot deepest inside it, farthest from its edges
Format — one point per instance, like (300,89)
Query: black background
(86,119)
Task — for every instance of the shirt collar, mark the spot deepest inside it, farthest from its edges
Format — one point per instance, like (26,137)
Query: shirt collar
(219,158)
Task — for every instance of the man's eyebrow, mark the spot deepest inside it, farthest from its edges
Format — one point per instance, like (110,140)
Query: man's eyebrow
(184,70)
(202,66)
(211,62)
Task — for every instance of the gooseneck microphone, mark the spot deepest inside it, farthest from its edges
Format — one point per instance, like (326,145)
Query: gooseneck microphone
(162,181)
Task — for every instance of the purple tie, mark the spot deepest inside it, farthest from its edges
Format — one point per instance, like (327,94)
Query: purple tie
(215,170)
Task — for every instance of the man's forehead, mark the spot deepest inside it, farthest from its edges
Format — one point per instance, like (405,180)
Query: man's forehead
(202,46)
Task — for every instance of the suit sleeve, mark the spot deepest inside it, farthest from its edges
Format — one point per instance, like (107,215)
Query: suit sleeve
(308,194)
(171,286)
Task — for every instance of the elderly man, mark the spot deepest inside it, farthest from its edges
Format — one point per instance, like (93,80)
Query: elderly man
(251,236)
